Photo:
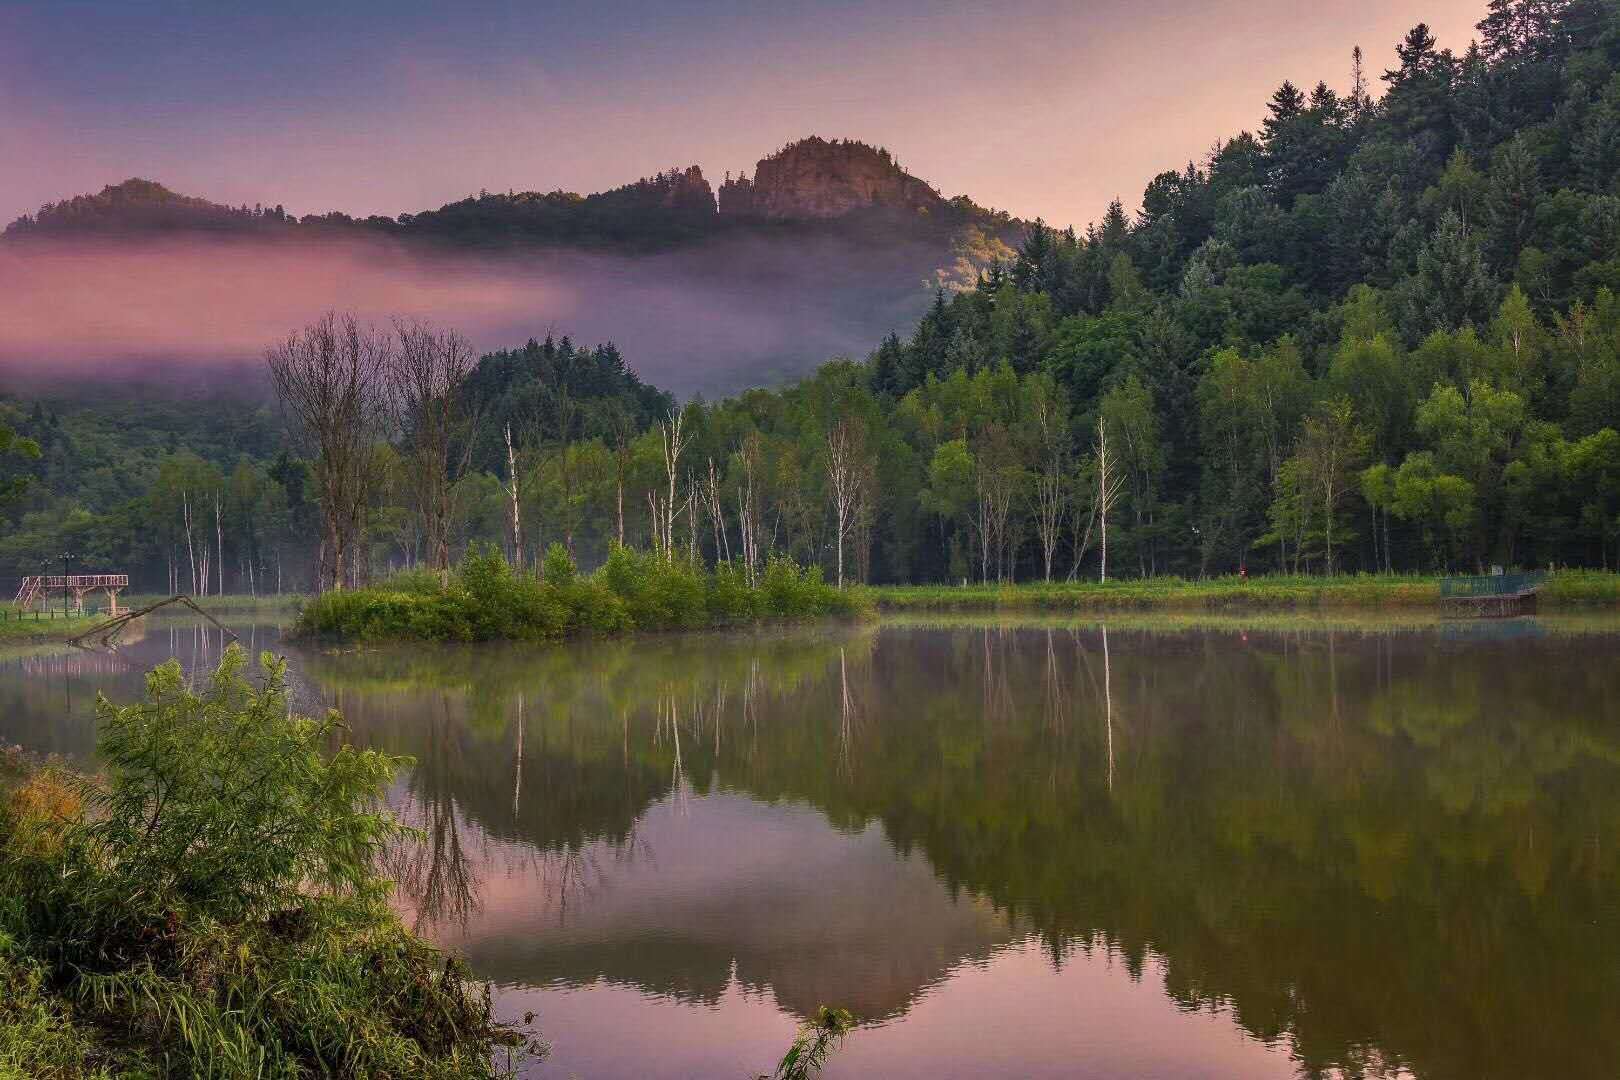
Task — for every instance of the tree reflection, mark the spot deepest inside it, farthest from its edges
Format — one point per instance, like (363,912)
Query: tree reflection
(1395,849)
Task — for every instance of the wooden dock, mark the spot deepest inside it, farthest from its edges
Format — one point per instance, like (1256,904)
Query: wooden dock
(1491,596)
(37,587)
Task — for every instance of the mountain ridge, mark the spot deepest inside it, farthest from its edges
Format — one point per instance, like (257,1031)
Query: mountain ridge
(812,183)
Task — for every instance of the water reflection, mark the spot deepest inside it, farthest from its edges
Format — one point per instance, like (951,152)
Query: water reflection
(1251,851)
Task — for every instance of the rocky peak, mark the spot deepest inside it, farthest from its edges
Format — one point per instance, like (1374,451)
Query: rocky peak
(820,178)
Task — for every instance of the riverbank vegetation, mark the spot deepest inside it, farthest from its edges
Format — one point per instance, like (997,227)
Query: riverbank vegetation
(210,906)
(23,627)
(486,599)
(1367,592)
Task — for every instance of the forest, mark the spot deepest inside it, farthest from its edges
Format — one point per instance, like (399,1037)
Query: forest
(1378,333)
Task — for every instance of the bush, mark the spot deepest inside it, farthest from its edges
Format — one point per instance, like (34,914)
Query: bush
(216,910)
(485,599)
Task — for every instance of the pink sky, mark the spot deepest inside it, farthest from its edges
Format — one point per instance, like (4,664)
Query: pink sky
(1040,108)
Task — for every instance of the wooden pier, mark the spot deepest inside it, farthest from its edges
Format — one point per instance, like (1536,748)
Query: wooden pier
(37,587)
(1491,596)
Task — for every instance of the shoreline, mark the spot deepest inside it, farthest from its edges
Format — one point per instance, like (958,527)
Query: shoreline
(1570,590)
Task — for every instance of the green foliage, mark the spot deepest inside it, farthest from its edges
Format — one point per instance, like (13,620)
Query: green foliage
(485,599)
(558,566)
(213,908)
(221,804)
(39,1036)
(818,1037)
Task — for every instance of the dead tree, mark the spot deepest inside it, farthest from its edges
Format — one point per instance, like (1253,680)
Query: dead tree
(717,515)
(623,429)
(748,504)
(1051,490)
(674,442)
(427,373)
(1108,487)
(330,379)
(513,493)
(847,477)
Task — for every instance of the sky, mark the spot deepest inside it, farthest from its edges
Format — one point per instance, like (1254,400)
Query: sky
(1036,107)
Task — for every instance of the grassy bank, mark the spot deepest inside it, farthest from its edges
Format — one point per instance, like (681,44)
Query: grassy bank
(229,604)
(25,627)
(485,600)
(1565,589)
(210,907)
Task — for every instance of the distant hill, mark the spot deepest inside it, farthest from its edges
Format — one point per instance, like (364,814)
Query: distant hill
(829,246)
(842,187)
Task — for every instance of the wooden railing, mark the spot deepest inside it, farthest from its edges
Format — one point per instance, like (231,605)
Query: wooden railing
(81,581)
(34,586)
(1491,585)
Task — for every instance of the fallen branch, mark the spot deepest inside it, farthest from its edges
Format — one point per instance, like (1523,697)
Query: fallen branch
(109,630)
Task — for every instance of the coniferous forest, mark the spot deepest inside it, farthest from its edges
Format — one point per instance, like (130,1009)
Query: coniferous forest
(1379,332)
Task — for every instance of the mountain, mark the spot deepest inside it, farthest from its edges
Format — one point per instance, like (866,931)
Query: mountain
(818,179)
(817,185)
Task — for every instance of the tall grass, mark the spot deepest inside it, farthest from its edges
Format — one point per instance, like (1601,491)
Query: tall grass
(485,599)
(211,908)
(1272,592)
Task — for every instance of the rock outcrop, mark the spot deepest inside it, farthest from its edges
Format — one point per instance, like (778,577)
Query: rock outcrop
(817,178)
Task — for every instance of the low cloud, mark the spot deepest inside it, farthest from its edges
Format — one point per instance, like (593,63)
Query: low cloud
(710,318)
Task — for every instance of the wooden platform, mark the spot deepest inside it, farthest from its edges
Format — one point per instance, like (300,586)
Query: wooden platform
(36,588)
(1490,596)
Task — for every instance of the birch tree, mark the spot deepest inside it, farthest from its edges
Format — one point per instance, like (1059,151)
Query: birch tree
(673,438)
(514,496)
(1048,408)
(1109,483)
(848,477)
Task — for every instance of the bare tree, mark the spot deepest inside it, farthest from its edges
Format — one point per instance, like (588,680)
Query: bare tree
(330,379)
(998,474)
(752,457)
(219,545)
(717,515)
(1051,490)
(513,493)
(848,477)
(622,427)
(428,372)
(674,440)
(1109,482)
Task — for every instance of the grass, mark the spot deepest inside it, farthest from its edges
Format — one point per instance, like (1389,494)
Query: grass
(228,604)
(1564,589)
(485,600)
(25,627)
(211,906)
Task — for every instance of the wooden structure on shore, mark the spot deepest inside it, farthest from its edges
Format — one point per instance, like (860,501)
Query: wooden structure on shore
(37,587)
(1491,596)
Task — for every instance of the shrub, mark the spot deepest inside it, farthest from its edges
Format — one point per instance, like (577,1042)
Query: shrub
(557,568)
(485,599)
(216,911)
(223,803)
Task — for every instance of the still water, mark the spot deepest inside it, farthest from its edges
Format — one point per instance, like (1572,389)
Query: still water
(1041,850)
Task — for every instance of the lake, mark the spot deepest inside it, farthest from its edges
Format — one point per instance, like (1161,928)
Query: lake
(1154,848)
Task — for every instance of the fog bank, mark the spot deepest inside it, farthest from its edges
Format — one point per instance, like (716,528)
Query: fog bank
(711,318)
